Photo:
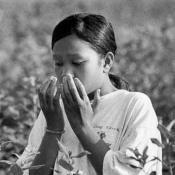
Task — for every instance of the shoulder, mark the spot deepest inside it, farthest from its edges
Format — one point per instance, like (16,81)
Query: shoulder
(136,103)
(132,97)
(140,110)
(138,100)
(141,100)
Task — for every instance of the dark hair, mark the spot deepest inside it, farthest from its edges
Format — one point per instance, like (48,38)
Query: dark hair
(94,29)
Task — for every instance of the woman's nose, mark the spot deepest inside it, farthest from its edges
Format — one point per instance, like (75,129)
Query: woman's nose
(67,71)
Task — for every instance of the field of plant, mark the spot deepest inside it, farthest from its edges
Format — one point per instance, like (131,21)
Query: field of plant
(145,58)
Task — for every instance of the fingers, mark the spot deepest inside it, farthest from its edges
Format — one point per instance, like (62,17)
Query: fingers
(51,91)
(68,98)
(69,91)
(97,96)
(27,163)
(47,91)
(96,99)
(81,89)
(73,89)
(56,97)
(41,93)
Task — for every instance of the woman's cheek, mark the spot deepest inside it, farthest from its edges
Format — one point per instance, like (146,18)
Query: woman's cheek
(89,86)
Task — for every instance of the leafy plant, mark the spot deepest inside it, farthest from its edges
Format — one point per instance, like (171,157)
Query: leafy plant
(67,161)
(145,58)
(168,147)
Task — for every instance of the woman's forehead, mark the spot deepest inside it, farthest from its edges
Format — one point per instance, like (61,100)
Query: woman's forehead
(69,55)
(73,47)
(71,44)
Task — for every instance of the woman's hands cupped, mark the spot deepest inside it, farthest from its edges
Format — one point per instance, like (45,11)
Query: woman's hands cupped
(76,103)
(49,97)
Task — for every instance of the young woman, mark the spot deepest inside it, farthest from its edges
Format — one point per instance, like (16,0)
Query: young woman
(90,123)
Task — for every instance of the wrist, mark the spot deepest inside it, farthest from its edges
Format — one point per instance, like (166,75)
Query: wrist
(87,135)
(53,135)
(83,129)
(55,128)
(55,131)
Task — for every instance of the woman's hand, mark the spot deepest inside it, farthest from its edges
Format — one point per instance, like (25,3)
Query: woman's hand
(49,96)
(76,103)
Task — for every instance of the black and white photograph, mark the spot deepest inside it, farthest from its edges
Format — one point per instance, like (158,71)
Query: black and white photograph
(87,87)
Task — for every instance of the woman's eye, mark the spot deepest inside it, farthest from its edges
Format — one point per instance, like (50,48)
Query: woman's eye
(58,64)
(76,63)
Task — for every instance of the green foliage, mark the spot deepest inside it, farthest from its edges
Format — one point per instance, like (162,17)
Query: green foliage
(168,137)
(146,58)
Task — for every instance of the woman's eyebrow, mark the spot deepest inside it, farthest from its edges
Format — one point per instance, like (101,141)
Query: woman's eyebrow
(70,55)
(56,56)
(75,56)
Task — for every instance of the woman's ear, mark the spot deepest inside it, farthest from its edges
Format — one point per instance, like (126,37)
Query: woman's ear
(108,62)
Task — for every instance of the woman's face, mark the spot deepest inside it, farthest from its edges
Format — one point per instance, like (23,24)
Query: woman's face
(72,55)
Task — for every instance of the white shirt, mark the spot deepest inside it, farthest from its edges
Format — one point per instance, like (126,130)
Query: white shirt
(126,121)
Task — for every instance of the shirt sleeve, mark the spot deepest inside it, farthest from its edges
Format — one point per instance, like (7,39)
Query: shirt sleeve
(140,127)
(34,141)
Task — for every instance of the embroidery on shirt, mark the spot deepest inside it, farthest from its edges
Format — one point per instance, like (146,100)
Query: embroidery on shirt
(102,135)
(111,128)
(107,127)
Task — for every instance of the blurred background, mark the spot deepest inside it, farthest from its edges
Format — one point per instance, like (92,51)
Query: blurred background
(145,34)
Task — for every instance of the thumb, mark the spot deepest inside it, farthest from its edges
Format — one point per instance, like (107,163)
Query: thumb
(97,95)
(96,99)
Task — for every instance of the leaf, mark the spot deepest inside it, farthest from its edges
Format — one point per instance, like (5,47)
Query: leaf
(62,148)
(135,151)
(34,153)
(131,157)
(133,166)
(84,153)
(170,125)
(145,150)
(34,167)
(16,155)
(155,158)
(164,131)
(157,142)
(153,173)
(4,144)
(145,156)
(6,162)
(65,165)
(57,171)
(79,172)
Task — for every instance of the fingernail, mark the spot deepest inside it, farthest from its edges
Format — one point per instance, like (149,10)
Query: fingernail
(64,79)
(75,79)
(53,78)
(98,92)
(70,75)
